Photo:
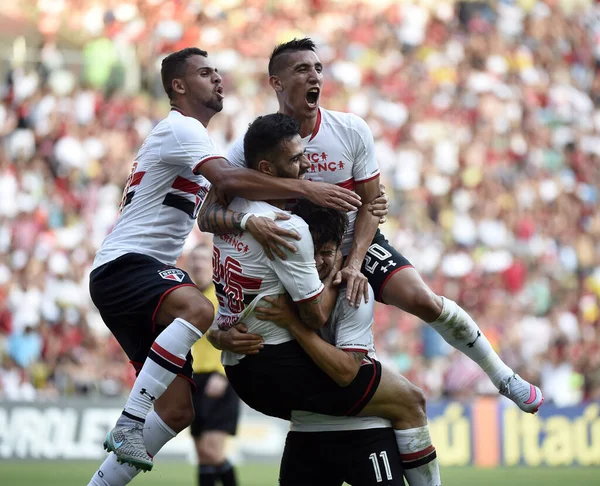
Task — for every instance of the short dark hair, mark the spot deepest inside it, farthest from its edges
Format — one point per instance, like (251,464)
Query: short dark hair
(174,65)
(295,45)
(265,134)
(325,225)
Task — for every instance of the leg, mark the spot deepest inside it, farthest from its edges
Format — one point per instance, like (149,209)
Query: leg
(373,459)
(404,288)
(191,314)
(216,418)
(137,297)
(158,430)
(403,404)
(309,458)
(212,463)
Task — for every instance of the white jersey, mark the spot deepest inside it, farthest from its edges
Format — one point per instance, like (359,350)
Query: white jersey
(350,329)
(243,275)
(341,151)
(163,193)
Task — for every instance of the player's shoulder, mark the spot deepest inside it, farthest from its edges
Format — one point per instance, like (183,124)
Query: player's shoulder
(185,128)
(295,222)
(342,118)
(363,313)
(235,154)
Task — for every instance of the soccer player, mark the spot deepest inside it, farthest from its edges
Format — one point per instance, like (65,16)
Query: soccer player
(341,150)
(153,308)
(216,405)
(306,373)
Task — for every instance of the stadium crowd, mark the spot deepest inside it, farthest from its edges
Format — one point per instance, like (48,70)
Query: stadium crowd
(486,117)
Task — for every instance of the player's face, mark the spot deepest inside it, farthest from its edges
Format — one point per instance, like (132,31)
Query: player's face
(301,83)
(291,163)
(325,258)
(203,83)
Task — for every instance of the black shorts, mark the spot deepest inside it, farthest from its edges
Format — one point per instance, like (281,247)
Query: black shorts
(357,457)
(128,292)
(381,262)
(214,413)
(282,378)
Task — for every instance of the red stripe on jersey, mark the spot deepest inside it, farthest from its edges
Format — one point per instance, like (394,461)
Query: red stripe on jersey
(174,108)
(355,350)
(311,298)
(185,185)
(199,164)
(317,126)
(137,178)
(163,353)
(247,283)
(369,179)
(417,455)
(349,184)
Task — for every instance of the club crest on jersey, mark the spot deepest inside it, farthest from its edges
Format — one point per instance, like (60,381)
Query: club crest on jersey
(173,274)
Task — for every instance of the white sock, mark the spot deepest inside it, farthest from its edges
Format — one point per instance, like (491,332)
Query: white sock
(418,457)
(165,360)
(111,473)
(461,332)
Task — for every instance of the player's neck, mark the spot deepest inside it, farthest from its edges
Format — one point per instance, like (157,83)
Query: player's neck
(307,124)
(203,116)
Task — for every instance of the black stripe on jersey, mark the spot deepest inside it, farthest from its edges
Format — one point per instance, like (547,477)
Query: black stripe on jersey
(129,197)
(179,202)
(220,290)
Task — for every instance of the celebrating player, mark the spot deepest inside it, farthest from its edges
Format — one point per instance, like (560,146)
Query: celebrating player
(306,373)
(153,308)
(341,150)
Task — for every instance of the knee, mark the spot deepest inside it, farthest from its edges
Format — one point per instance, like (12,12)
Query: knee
(210,455)
(178,417)
(428,306)
(418,402)
(199,313)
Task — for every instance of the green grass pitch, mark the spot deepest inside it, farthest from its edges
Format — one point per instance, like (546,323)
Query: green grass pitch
(77,473)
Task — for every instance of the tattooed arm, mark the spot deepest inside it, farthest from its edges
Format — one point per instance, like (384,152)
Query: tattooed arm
(216,218)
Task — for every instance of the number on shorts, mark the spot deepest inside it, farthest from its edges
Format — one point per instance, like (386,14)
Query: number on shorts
(386,466)
(377,252)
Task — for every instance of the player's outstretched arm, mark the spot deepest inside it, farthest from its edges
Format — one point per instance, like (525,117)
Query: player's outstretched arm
(341,366)
(252,184)
(216,218)
(364,231)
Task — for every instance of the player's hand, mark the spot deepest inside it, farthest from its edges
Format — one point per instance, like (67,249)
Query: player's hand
(332,196)
(216,385)
(270,236)
(357,285)
(237,340)
(282,312)
(380,206)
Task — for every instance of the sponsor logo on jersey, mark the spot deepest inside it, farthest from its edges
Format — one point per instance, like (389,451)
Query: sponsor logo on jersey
(173,274)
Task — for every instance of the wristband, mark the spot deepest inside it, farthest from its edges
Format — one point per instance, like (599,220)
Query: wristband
(245,220)
(267,214)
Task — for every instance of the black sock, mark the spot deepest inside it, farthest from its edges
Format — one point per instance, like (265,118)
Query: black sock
(207,475)
(226,474)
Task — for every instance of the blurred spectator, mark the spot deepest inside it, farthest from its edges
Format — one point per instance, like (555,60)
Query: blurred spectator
(486,117)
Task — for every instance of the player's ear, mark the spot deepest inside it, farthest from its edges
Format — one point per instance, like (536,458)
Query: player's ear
(266,167)
(275,83)
(178,86)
